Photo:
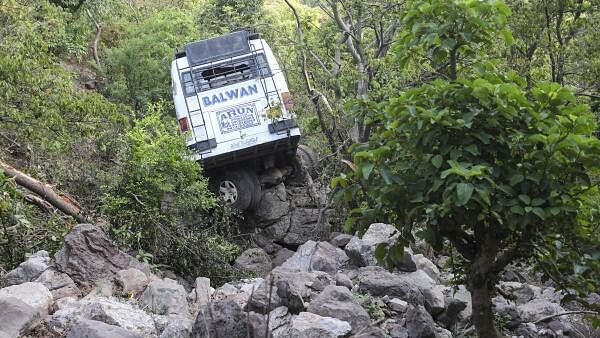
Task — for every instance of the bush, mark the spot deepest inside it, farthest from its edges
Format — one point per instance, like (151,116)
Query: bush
(160,203)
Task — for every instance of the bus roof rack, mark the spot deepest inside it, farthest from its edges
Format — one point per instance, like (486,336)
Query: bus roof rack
(218,48)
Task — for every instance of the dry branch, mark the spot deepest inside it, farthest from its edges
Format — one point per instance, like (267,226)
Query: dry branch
(60,201)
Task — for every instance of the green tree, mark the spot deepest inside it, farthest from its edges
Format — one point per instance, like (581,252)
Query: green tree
(497,171)
(223,16)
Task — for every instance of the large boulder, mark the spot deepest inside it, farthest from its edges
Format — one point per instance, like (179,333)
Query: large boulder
(450,314)
(280,322)
(521,292)
(202,291)
(221,318)
(419,323)
(131,281)
(310,325)
(337,302)
(380,282)
(304,226)
(341,240)
(16,317)
(297,283)
(281,256)
(29,270)
(59,284)
(88,256)
(254,260)
(273,205)
(165,296)
(316,256)
(362,250)
(423,263)
(240,290)
(177,327)
(113,312)
(33,294)
(96,329)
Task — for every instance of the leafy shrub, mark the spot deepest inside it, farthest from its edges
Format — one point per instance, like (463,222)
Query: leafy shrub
(160,202)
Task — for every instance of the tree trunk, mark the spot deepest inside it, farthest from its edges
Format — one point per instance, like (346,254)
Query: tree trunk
(483,317)
(63,203)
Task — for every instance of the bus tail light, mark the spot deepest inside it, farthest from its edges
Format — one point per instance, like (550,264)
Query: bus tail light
(184,125)
(288,103)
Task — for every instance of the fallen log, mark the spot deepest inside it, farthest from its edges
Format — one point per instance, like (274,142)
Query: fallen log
(60,201)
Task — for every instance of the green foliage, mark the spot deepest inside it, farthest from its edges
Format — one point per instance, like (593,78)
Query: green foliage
(160,203)
(499,172)
(222,16)
(137,68)
(371,304)
(442,32)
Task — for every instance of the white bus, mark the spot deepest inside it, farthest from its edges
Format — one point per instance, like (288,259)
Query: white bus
(233,103)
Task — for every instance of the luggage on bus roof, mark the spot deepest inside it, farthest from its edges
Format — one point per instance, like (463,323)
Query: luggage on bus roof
(218,48)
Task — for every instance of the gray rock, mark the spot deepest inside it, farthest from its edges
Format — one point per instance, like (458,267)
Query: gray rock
(281,256)
(434,299)
(379,282)
(521,293)
(398,305)
(362,251)
(29,270)
(309,325)
(341,279)
(254,260)
(507,311)
(33,294)
(316,256)
(63,320)
(280,322)
(450,314)
(96,329)
(202,291)
(132,281)
(303,227)
(305,284)
(221,318)
(273,204)
(337,302)
(275,231)
(462,294)
(537,308)
(423,263)
(113,312)
(59,284)
(394,329)
(419,323)
(88,256)
(341,240)
(290,297)
(240,291)
(165,296)
(272,176)
(17,317)
(178,327)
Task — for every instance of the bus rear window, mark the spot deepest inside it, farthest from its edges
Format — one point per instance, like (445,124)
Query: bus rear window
(220,74)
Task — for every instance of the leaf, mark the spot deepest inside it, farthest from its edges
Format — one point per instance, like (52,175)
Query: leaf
(526,199)
(536,202)
(539,212)
(472,149)
(366,170)
(437,161)
(380,251)
(464,192)
(516,179)
(517,210)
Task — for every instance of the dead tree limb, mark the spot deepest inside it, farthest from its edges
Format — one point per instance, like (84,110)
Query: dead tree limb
(62,202)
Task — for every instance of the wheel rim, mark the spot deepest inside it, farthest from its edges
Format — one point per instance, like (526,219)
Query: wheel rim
(228,191)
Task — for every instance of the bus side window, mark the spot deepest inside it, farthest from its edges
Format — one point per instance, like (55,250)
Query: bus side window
(187,84)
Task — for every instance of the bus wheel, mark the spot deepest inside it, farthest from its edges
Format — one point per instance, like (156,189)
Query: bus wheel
(238,187)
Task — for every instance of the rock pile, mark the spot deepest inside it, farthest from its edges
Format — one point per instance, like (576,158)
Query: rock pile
(323,289)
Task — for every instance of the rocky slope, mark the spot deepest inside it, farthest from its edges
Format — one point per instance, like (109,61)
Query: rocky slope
(324,289)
